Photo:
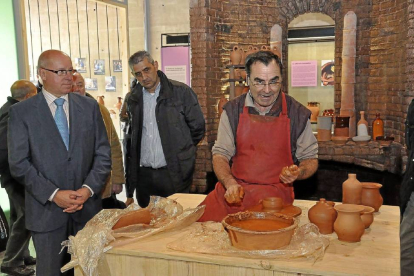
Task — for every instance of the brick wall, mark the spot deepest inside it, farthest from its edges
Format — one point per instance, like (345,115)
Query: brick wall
(384,55)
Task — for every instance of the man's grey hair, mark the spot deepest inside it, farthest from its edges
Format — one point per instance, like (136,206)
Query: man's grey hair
(138,57)
(20,89)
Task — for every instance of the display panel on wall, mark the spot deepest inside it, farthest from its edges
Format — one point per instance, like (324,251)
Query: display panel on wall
(92,33)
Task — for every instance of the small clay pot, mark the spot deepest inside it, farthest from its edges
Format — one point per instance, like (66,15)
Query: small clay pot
(235,56)
(371,196)
(349,226)
(272,204)
(323,215)
(367,216)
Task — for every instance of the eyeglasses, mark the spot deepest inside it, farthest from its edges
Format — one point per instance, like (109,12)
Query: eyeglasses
(273,84)
(61,72)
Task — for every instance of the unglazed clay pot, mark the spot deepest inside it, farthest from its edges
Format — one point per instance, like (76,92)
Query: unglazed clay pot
(249,50)
(235,56)
(259,231)
(323,215)
(314,108)
(367,216)
(349,226)
(351,190)
(101,100)
(243,56)
(272,204)
(371,195)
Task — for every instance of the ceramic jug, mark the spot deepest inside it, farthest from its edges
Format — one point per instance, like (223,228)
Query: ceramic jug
(101,100)
(351,190)
(371,195)
(314,108)
(323,215)
(235,56)
(348,225)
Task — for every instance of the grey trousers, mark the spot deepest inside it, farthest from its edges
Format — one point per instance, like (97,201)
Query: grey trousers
(18,245)
(407,239)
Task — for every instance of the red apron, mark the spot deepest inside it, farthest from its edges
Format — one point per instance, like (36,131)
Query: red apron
(263,149)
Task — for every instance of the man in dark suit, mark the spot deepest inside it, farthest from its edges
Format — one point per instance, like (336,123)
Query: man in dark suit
(17,251)
(58,148)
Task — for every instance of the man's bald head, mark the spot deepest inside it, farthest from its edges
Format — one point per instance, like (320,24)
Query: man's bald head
(22,90)
(78,85)
(56,72)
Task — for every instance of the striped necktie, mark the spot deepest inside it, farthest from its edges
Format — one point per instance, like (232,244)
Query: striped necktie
(61,121)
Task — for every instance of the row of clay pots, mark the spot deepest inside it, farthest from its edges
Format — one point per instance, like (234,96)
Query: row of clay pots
(349,221)
(238,55)
(238,74)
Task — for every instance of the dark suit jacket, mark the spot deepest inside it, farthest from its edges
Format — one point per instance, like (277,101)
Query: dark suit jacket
(38,158)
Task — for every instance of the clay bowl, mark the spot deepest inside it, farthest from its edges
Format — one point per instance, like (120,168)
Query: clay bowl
(340,140)
(259,230)
(274,204)
(384,140)
(367,216)
(140,216)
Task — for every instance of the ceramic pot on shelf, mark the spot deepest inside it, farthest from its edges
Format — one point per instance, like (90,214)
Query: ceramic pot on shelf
(101,99)
(314,108)
(323,215)
(243,56)
(362,129)
(249,50)
(341,126)
(118,105)
(348,225)
(351,190)
(235,56)
(371,195)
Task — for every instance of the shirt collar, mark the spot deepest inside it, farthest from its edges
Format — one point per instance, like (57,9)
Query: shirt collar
(157,90)
(50,98)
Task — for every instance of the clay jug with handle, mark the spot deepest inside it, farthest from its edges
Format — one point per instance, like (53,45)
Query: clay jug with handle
(235,56)
(351,190)
(323,215)
(349,226)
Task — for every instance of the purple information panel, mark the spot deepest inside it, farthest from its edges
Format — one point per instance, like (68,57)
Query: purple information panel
(175,63)
(304,73)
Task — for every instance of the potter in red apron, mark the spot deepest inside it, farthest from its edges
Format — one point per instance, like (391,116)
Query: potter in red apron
(263,149)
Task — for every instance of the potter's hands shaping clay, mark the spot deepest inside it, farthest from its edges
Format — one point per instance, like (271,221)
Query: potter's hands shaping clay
(289,174)
(234,194)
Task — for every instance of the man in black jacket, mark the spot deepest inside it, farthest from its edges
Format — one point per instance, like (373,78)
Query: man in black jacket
(17,251)
(166,123)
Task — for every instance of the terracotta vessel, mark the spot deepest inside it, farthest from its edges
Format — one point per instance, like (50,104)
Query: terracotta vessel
(259,231)
(255,49)
(351,190)
(235,56)
(314,108)
(101,99)
(324,128)
(249,50)
(243,56)
(367,216)
(141,216)
(323,215)
(265,48)
(362,129)
(377,127)
(349,226)
(223,100)
(329,112)
(118,104)
(371,195)
(276,51)
(272,204)
(243,74)
(342,126)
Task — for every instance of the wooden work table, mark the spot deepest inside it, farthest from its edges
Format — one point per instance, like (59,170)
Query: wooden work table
(378,253)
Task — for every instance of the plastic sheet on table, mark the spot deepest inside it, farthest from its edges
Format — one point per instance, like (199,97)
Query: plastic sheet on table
(212,238)
(97,237)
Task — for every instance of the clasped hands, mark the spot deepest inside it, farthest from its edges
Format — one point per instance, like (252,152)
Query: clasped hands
(71,201)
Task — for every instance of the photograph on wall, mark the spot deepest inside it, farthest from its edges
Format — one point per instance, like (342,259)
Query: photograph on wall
(99,66)
(80,65)
(91,84)
(117,65)
(327,72)
(304,73)
(110,83)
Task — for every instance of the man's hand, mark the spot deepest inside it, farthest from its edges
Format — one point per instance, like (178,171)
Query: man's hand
(129,201)
(116,188)
(234,193)
(289,174)
(68,200)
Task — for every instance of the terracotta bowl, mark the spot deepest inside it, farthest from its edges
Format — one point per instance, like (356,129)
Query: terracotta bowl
(340,140)
(367,216)
(259,230)
(274,204)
